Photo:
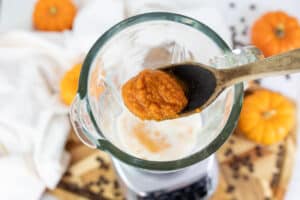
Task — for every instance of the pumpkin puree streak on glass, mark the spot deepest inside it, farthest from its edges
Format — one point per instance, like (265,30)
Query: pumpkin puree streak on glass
(153,145)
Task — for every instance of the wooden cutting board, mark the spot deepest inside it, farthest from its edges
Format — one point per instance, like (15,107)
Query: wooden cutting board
(90,175)
(247,171)
(252,172)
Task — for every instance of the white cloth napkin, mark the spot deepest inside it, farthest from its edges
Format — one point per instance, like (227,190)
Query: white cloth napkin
(33,124)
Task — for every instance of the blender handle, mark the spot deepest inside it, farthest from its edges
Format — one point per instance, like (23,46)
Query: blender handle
(81,123)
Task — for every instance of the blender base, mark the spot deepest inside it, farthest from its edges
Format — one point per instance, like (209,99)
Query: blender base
(192,183)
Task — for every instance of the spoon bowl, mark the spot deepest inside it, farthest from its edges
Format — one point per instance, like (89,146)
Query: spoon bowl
(203,84)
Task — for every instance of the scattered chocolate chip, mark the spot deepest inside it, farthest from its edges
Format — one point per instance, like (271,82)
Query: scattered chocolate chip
(103,164)
(235,42)
(242,19)
(232,28)
(98,158)
(252,7)
(245,31)
(281,147)
(275,179)
(231,141)
(117,194)
(258,148)
(258,151)
(251,168)
(89,184)
(68,173)
(74,188)
(228,152)
(234,165)
(236,175)
(280,152)
(267,198)
(232,5)
(103,180)
(248,158)
(230,188)
(257,81)
(245,177)
(248,92)
(278,163)
(116,184)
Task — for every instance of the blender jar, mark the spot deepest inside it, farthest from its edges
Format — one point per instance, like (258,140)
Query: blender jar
(151,40)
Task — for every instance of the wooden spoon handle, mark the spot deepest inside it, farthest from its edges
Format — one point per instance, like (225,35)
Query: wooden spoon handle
(281,64)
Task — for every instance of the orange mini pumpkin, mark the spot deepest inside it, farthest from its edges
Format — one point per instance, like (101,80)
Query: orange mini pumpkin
(266,117)
(54,15)
(276,32)
(69,84)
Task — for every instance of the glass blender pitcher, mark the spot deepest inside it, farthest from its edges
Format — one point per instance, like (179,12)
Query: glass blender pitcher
(169,158)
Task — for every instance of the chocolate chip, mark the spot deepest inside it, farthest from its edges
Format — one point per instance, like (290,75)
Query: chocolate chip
(252,7)
(230,189)
(231,141)
(232,28)
(275,179)
(248,92)
(245,177)
(236,175)
(116,184)
(228,152)
(232,5)
(251,168)
(98,158)
(68,173)
(246,160)
(235,166)
(103,180)
(242,19)
(278,163)
(89,184)
(287,77)
(257,81)
(267,198)
(281,147)
(258,151)
(74,188)
(117,194)
(258,148)
(245,31)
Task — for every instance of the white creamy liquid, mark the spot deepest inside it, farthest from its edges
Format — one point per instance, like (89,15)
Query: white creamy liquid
(159,141)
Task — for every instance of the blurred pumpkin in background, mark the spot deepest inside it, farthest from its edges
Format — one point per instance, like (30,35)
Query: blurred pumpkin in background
(69,84)
(266,117)
(54,15)
(276,32)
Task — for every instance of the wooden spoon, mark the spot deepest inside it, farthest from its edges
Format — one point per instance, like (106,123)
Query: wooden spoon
(204,83)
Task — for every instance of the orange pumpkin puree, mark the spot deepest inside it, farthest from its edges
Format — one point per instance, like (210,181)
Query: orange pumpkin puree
(154,95)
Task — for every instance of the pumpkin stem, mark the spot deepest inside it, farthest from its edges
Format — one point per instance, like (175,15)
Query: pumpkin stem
(279,31)
(268,114)
(53,10)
